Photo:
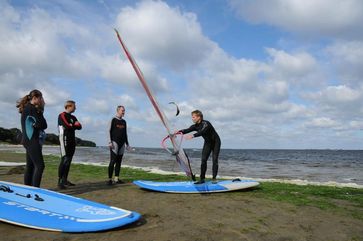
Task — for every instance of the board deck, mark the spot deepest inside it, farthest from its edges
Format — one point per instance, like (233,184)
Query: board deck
(12,164)
(48,210)
(190,187)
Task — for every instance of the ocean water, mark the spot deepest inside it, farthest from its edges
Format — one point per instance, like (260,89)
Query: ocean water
(335,167)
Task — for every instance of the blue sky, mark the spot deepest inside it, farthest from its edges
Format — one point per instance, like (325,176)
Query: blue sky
(267,74)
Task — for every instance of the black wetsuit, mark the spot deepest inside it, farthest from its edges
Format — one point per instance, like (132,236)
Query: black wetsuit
(212,143)
(34,157)
(67,139)
(118,138)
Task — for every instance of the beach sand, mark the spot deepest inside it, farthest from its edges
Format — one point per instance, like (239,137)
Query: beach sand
(224,216)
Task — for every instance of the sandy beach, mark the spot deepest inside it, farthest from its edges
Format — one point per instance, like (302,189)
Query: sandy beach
(239,215)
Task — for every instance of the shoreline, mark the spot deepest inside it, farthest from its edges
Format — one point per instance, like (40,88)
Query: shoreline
(156,170)
(271,211)
(267,149)
(299,182)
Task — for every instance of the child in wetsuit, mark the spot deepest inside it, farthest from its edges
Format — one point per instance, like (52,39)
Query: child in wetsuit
(67,124)
(33,125)
(118,141)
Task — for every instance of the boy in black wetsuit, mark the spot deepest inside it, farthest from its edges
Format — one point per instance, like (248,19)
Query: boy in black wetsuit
(33,123)
(117,143)
(67,124)
(212,143)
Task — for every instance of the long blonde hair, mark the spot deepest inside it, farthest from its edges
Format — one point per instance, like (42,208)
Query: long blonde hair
(20,104)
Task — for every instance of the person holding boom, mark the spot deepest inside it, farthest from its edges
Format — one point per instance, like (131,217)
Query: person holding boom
(212,143)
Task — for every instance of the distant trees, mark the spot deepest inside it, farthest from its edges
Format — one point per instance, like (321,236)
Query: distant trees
(13,136)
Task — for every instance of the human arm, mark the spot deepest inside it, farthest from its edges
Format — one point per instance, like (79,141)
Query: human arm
(126,138)
(206,126)
(110,145)
(188,130)
(40,122)
(76,124)
(63,121)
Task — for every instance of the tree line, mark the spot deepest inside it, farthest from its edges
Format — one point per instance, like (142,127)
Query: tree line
(13,136)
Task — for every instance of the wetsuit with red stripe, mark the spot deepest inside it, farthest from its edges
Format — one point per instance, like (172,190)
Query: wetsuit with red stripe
(67,124)
(212,143)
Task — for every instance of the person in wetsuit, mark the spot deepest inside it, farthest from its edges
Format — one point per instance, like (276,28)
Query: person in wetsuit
(33,125)
(67,124)
(118,141)
(212,143)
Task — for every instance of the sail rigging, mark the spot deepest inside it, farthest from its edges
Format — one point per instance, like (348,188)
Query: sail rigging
(181,157)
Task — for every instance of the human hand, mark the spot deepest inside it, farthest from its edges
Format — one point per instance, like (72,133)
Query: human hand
(129,148)
(110,145)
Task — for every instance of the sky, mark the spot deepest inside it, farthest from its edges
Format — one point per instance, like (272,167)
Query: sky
(268,74)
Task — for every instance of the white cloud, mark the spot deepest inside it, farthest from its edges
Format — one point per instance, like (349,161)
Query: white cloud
(291,67)
(161,34)
(263,102)
(337,95)
(322,122)
(333,18)
(120,71)
(347,58)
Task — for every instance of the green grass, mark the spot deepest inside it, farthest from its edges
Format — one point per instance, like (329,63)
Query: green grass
(304,195)
(90,172)
(348,201)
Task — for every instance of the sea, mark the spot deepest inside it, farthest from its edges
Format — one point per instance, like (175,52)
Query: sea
(318,167)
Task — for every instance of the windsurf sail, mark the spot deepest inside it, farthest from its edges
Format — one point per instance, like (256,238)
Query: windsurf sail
(181,157)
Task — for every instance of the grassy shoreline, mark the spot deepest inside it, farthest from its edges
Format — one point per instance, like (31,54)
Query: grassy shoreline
(341,200)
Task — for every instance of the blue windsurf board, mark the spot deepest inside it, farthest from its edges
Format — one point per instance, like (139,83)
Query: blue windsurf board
(190,187)
(47,210)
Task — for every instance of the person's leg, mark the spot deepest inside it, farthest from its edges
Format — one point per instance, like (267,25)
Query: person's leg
(38,162)
(216,150)
(118,168)
(205,155)
(28,175)
(111,166)
(70,152)
(61,168)
(67,166)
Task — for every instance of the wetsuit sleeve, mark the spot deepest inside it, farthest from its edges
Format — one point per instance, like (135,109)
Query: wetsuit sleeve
(127,139)
(76,125)
(40,122)
(190,129)
(62,120)
(110,131)
(203,130)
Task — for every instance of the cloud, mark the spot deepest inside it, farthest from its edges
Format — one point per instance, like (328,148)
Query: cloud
(159,33)
(120,71)
(331,18)
(347,59)
(340,101)
(322,122)
(266,102)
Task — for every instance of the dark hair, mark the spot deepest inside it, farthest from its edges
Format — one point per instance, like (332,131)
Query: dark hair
(198,113)
(26,99)
(120,106)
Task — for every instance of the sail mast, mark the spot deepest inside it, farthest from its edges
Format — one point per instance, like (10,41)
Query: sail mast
(181,157)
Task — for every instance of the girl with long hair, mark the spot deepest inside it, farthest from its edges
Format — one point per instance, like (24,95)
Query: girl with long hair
(33,124)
